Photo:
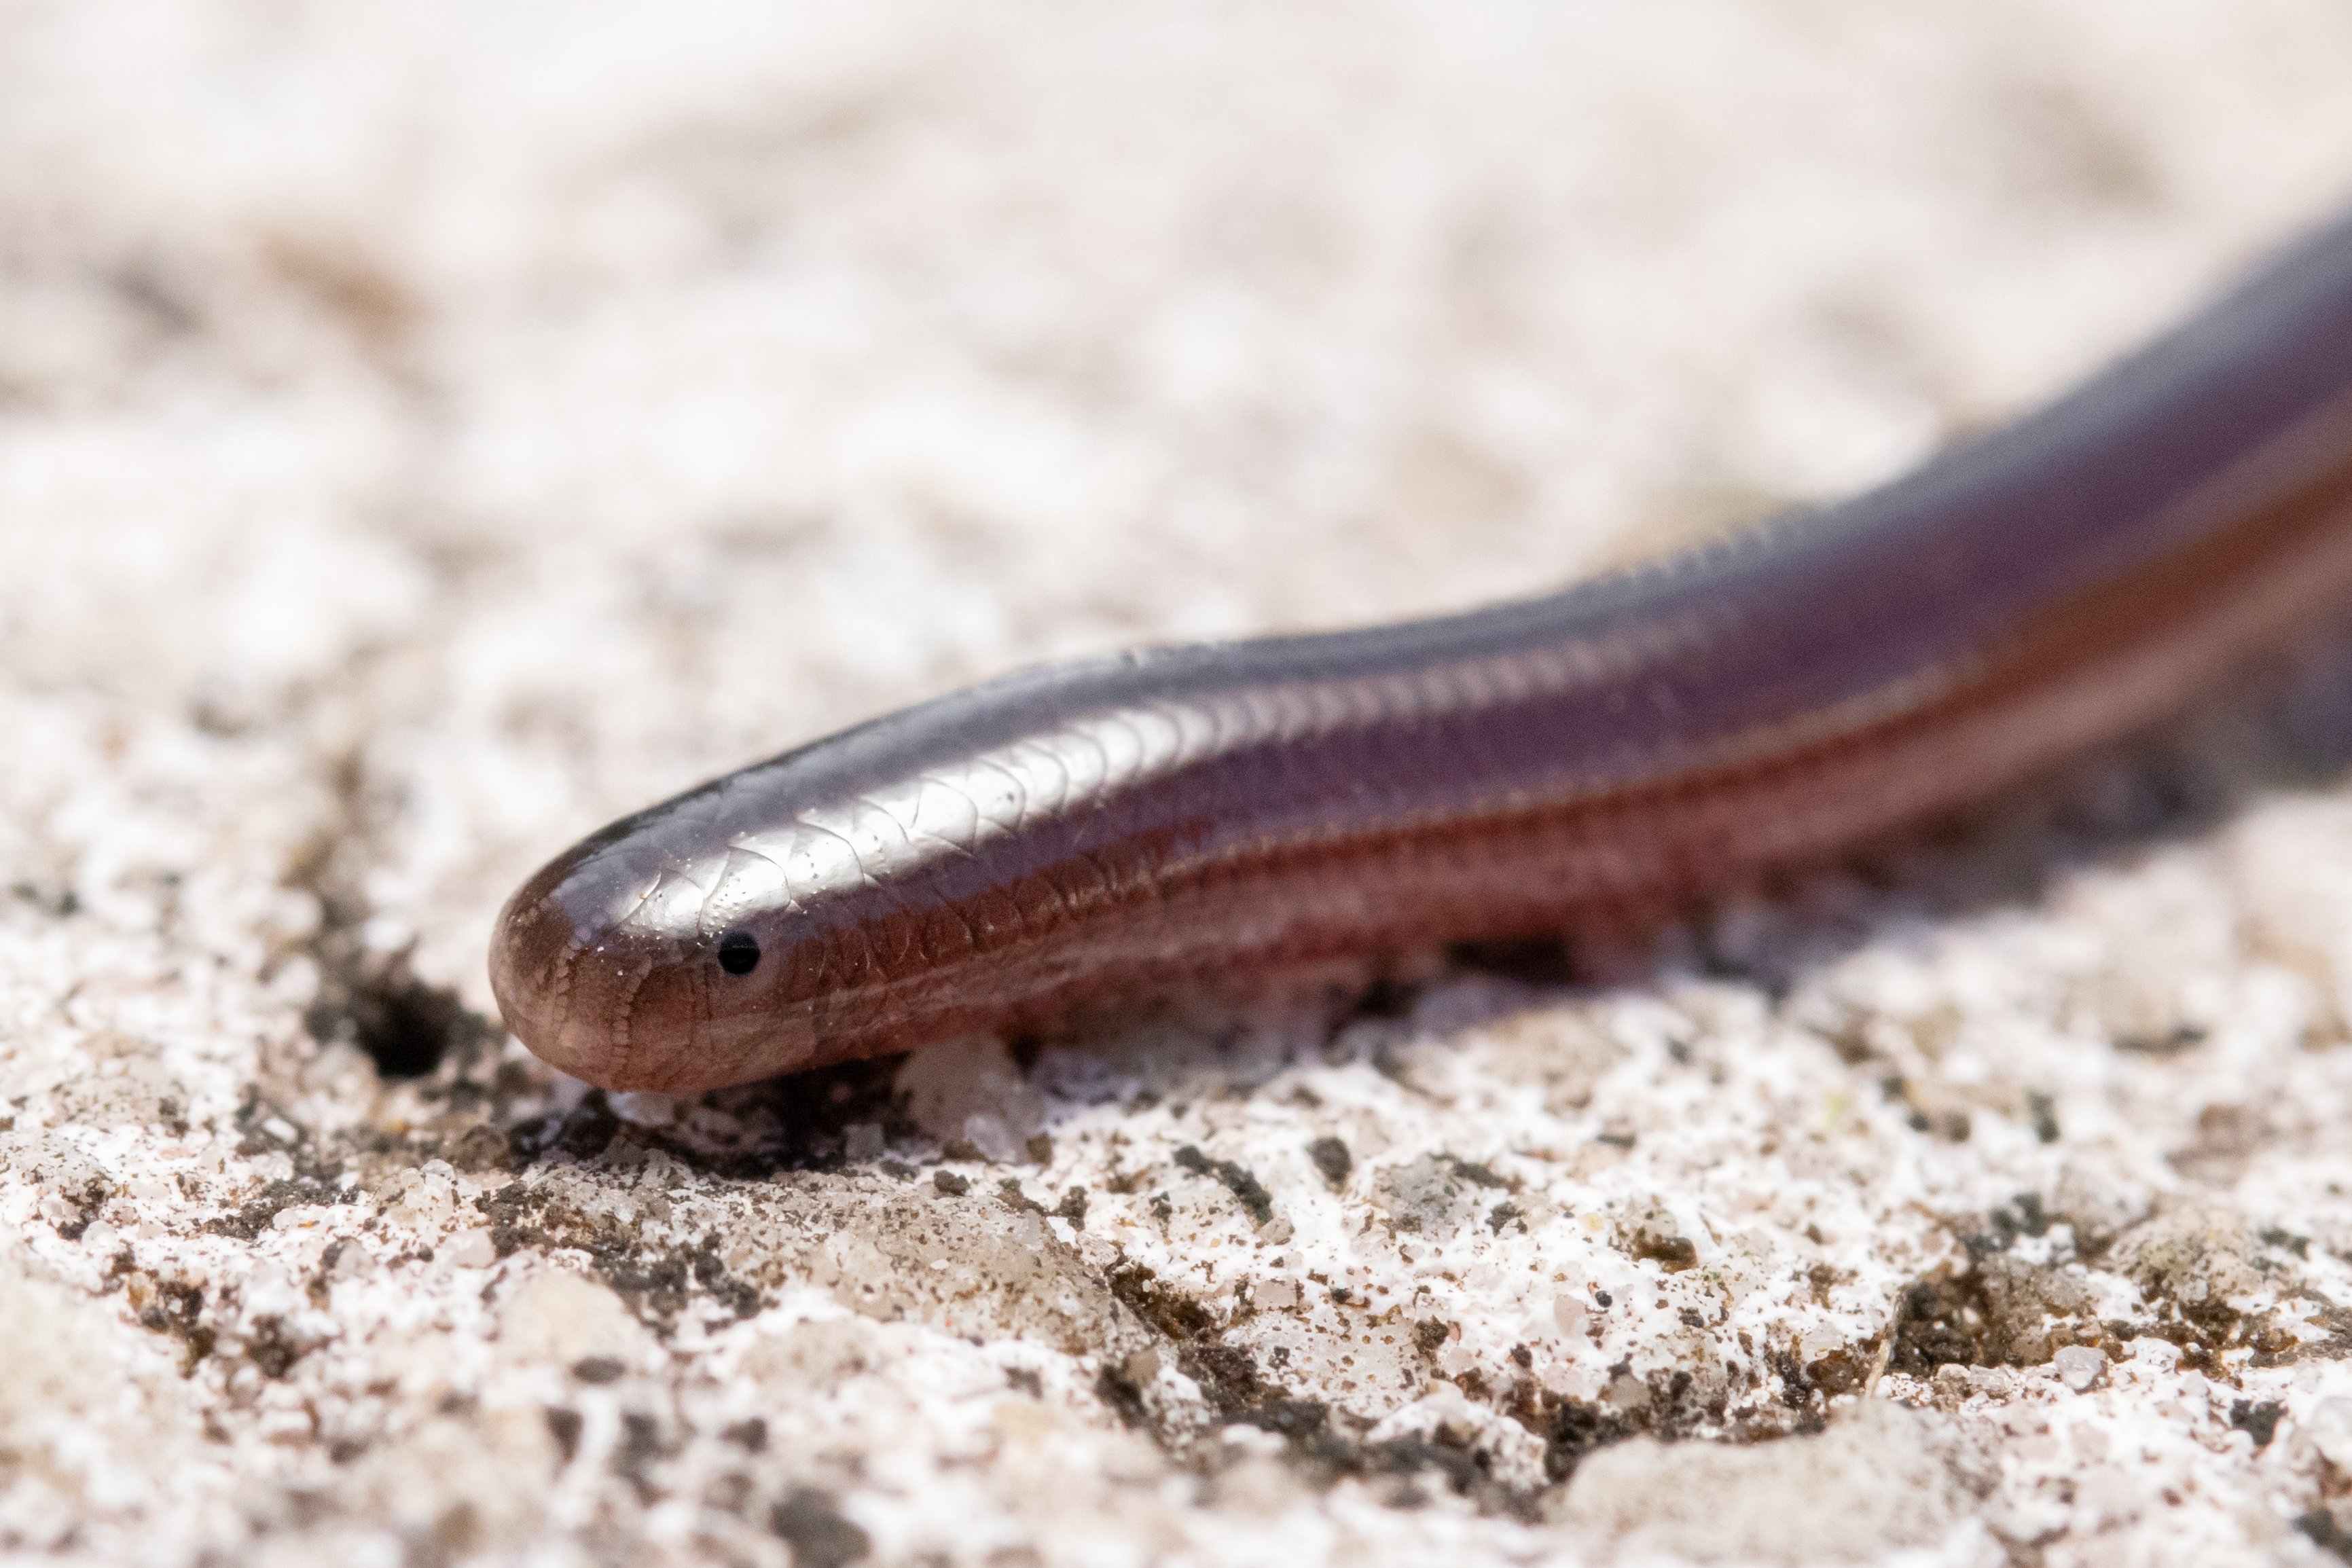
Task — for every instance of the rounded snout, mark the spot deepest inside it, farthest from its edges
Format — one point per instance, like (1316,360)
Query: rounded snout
(624,1004)
(566,987)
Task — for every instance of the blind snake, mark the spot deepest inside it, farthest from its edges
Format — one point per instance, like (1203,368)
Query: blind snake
(1123,826)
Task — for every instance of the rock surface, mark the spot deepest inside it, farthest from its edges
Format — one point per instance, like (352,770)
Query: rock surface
(427,432)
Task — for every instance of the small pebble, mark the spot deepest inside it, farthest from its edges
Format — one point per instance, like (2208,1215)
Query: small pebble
(2080,1368)
(470,1250)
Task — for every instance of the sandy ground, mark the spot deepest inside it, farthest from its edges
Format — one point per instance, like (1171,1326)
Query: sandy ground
(429,431)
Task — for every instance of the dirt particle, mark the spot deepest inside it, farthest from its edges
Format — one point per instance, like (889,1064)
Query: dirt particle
(272,1347)
(1116,1387)
(1672,1253)
(710,1273)
(1571,1429)
(813,1526)
(1331,1157)
(1227,1375)
(2258,1419)
(262,1211)
(1475,1172)
(1163,1306)
(2326,1532)
(1236,1178)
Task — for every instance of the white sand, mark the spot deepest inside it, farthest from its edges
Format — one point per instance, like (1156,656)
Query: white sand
(426,431)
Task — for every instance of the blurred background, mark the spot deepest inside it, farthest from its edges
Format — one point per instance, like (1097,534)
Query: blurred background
(429,431)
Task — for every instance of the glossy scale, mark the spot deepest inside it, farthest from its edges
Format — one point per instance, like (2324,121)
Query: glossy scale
(1108,829)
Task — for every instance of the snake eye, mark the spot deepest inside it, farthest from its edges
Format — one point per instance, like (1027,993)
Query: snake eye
(739,952)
